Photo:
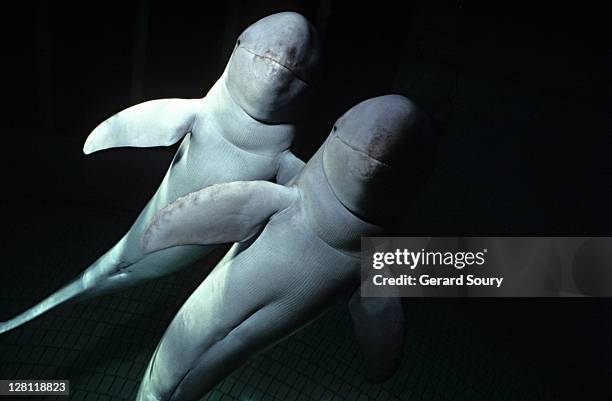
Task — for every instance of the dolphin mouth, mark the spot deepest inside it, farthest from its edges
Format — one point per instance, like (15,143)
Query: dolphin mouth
(375,160)
(278,62)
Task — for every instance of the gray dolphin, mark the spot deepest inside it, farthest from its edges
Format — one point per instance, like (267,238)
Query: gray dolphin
(297,251)
(241,130)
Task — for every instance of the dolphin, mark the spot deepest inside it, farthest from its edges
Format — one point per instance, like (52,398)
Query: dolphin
(241,130)
(297,250)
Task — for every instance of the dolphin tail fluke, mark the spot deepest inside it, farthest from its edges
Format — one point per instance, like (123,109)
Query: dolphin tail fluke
(63,295)
(95,280)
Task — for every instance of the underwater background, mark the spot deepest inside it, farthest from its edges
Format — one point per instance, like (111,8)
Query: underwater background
(519,94)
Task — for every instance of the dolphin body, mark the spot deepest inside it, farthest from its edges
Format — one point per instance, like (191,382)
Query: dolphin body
(241,130)
(298,251)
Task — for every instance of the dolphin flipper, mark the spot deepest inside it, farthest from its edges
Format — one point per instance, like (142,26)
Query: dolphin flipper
(160,122)
(379,327)
(222,213)
(289,166)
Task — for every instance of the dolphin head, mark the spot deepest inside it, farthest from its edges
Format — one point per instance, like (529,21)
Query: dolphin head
(271,68)
(378,156)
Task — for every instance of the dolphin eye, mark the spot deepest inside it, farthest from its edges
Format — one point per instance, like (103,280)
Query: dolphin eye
(335,128)
(238,42)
